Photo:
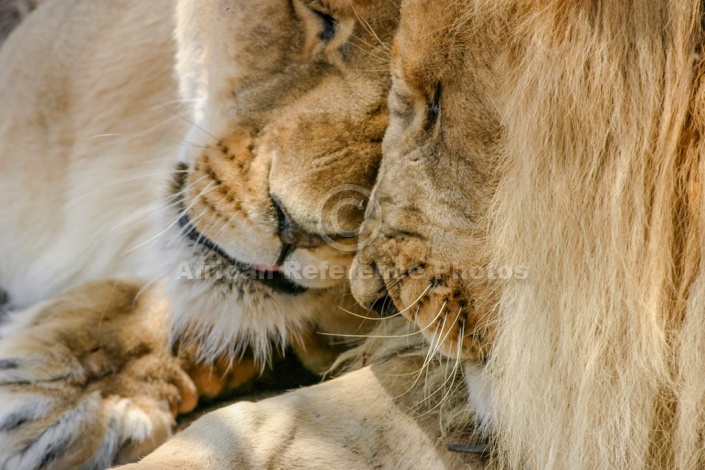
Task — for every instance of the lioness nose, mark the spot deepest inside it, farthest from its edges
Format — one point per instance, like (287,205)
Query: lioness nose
(290,232)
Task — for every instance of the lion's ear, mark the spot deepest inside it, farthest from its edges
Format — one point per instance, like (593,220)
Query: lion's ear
(191,56)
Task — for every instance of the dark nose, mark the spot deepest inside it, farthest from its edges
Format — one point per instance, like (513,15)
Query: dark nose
(290,232)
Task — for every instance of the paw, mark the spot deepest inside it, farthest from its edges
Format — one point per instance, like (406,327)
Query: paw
(60,428)
(368,418)
(89,383)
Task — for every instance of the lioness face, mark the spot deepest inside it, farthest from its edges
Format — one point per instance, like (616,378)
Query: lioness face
(290,109)
(427,227)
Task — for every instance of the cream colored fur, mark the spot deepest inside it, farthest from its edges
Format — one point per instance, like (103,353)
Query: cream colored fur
(600,357)
(317,428)
(400,410)
(585,128)
(84,186)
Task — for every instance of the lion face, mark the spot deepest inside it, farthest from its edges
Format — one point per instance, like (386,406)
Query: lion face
(289,104)
(428,225)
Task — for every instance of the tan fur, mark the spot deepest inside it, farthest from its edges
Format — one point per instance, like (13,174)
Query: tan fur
(101,101)
(381,416)
(609,323)
(569,142)
(97,338)
(434,239)
(567,147)
(243,125)
(301,124)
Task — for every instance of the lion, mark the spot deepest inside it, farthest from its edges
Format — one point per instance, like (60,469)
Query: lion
(553,223)
(184,182)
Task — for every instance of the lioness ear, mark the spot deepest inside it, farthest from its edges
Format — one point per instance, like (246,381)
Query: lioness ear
(192,55)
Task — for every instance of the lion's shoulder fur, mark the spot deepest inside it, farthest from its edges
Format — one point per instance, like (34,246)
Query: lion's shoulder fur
(600,353)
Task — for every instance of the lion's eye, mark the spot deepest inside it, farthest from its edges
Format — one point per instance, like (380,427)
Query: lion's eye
(433,108)
(330,26)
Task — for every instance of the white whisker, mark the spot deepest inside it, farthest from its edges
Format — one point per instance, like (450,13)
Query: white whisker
(433,355)
(150,175)
(156,211)
(366,25)
(391,316)
(388,336)
(184,118)
(176,220)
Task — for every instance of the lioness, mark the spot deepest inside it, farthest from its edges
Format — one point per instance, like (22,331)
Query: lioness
(214,159)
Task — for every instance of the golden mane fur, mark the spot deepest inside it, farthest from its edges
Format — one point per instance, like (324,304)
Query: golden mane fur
(599,356)
(572,131)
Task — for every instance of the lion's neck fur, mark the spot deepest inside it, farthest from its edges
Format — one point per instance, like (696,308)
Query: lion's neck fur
(599,359)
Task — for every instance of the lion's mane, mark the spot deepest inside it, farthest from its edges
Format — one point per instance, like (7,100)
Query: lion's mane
(600,355)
